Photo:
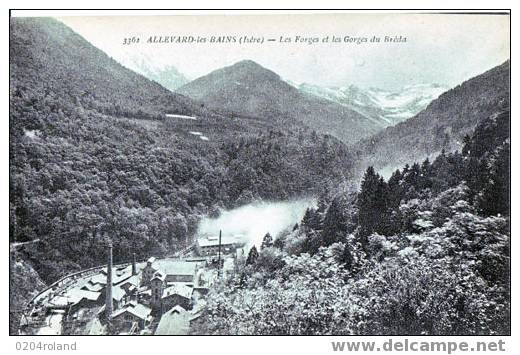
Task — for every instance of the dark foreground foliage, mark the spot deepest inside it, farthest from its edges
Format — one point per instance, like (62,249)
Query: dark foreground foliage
(426,252)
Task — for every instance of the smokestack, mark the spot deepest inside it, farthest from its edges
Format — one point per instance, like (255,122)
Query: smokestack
(108,301)
(219,248)
(134,268)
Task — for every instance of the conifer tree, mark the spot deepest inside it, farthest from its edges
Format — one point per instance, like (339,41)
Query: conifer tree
(334,223)
(252,256)
(372,203)
(267,242)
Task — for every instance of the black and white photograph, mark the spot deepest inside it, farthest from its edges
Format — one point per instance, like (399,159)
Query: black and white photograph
(292,173)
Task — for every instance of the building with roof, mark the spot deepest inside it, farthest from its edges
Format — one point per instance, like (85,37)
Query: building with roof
(210,245)
(157,285)
(173,270)
(74,295)
(174,322)
(131,313)
(119,297)
(171,283)
(167,295)
(131,285)
(76,298)
(98,279)
(94,287)
(176,295)
(119,274)
(148,271)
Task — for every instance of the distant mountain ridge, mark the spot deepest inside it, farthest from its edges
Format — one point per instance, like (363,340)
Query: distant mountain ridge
(167,75)
(443,124)
(384,107)
(247,88)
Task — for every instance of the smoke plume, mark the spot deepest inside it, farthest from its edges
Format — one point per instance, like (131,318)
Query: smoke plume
(251,222)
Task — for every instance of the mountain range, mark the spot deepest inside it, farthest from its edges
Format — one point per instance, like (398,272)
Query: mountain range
(246,97)
(384,107)
(166,75)
(442,125)
(248,89)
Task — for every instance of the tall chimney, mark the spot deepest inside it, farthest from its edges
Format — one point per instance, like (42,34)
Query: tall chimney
(134,268)
(219,247)
(108,301)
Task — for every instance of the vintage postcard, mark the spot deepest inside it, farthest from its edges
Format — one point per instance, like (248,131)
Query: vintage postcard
(328,173)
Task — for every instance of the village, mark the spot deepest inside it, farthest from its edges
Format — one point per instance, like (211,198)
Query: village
(152,297)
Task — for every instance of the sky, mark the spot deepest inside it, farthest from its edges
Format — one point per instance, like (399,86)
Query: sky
(439,48)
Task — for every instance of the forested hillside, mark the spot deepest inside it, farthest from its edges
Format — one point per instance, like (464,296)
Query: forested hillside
(93,157)
(426,252)
(442,125)
(47,57)
(24,283)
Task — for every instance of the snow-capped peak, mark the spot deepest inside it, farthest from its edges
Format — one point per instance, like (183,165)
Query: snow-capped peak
(383,106)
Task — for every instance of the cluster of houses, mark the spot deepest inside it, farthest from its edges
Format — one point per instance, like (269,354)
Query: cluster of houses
(162,290)
(159,295)
(166,288)
(143,297)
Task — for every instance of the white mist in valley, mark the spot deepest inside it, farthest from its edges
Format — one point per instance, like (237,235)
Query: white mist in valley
(251,222)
